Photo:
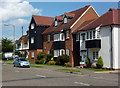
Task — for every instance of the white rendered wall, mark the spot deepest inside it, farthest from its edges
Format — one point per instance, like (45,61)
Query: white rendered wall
(115,47)
(105,51)
(119,47)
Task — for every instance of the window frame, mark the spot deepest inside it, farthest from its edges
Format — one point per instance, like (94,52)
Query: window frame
(32,26)
(33,54)
(68,51)
(48,38)
(67,34)
(32,40)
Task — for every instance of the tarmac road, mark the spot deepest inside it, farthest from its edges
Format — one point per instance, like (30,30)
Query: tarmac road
(14,76)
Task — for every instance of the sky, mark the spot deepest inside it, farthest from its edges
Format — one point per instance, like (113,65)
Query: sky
(20,12)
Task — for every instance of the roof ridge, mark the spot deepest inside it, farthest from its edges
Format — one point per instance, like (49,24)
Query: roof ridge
(42,16)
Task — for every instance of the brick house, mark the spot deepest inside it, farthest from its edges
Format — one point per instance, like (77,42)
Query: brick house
(22,44)
(59,39)
(37,26)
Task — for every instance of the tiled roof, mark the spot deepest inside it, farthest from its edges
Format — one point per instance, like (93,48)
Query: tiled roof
(43,20)
(109,18)
(75,14)
(25,39)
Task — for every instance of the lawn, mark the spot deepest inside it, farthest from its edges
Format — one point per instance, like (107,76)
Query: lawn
(36,66)
(48,65)
(68,70)
(8,60)
(96,69)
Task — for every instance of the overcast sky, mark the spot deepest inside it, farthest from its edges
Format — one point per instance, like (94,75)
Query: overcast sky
(19,12)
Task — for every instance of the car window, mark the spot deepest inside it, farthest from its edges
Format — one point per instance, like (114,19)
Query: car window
(23,59)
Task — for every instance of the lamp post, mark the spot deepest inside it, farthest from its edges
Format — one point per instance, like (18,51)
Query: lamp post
(13,37)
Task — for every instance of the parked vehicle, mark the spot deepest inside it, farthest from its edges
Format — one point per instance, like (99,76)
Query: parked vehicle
(21,62)
(8,56)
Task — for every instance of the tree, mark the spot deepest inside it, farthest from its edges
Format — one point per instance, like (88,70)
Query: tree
(7,45)
(87,61)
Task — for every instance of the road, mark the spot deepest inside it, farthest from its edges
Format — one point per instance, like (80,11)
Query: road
(14,76)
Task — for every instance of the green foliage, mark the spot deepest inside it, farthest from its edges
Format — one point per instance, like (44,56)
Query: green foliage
(49,56)
(61,60)
(52,62)
(42,61)
(87,61)
(40,56)
(68,64)
(7,45)
(100,62)
(27,59)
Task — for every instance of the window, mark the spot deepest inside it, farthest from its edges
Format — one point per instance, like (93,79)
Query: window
(67,34)
(56,37)
(77,37)
(90,35)
(93,34)
(48,38)
(67,52)
(32,26)
(95,55)
(98,34)
(33,54)
(87,35)
(65,20)
(32,40)
(62,36)
(48,51)
(62,52)
(56,53)
(56,23)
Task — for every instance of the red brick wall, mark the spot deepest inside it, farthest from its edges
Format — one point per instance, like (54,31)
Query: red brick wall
(32,60)
(48,45)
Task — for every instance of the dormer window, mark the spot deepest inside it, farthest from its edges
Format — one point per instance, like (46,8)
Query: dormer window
(65,20)
(56,23)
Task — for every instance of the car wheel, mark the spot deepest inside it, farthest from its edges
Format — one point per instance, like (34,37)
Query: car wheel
(13,65)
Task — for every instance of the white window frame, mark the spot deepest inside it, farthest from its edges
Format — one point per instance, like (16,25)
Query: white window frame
(56,53)
(32,40)
(33,54)
(77,37)
(96,56)
(65,20)
(68,51)
(61,51)
(67,34)
(32,26)
(48,38)
(56,22)
(48,51)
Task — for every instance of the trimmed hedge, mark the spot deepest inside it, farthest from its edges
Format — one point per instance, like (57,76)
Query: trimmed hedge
(68,64)
(61,60)
(100,62)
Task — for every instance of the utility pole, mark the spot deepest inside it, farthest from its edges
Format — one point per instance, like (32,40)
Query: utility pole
(22,40)
(14,41)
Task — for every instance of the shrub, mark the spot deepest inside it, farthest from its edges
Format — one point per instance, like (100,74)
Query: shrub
(68,64)
(52,62)
(40,56)
(37,62)
(27,59)
(87,61)
(49,56)
(100,62)
(61,60)
(42,61)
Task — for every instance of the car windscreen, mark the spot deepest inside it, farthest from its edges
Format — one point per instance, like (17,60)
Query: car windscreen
(22,59)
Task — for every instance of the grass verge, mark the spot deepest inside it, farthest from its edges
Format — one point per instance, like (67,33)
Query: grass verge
(93,69)
(68,70)
(48,65)
(36,66)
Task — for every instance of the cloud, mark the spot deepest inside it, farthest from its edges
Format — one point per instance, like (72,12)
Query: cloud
(16,9)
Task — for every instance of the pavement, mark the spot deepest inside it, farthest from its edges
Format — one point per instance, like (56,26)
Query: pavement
(47,76)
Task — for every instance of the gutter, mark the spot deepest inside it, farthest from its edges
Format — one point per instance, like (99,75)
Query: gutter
(111,47)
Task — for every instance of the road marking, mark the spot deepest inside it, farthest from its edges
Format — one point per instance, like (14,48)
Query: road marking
(16,71)
(41,76)
(82,83)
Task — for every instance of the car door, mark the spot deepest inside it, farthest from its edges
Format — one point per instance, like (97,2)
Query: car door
(17,62)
